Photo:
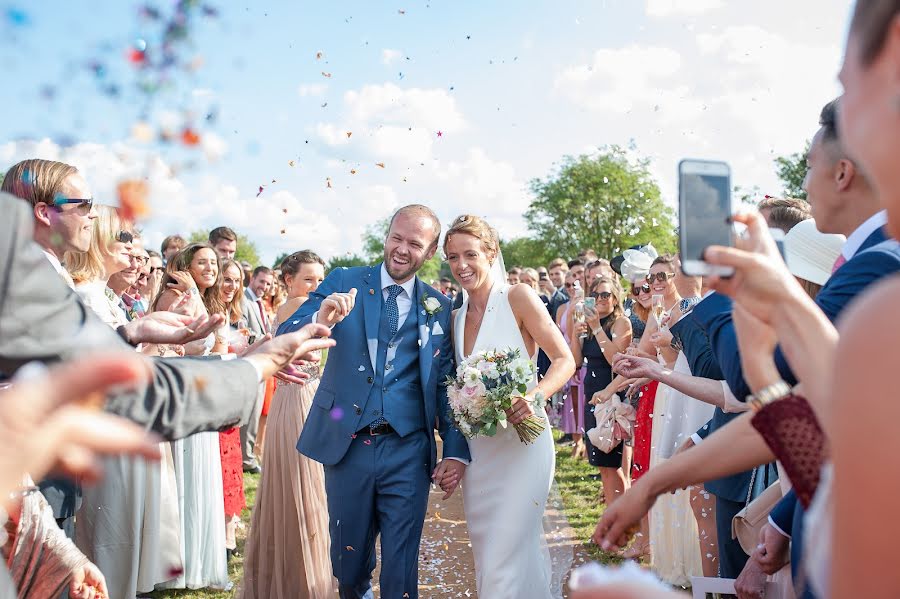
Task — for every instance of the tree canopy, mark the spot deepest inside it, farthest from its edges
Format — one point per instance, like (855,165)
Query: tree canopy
(791,169)
(607,202)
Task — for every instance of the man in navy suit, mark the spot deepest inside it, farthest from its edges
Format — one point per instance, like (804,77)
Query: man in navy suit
(842,202)
(382,394)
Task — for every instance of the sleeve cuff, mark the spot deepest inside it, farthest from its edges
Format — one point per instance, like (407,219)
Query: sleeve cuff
(259,373)
(466,462)
(778,528)
(315,320)
(697,439)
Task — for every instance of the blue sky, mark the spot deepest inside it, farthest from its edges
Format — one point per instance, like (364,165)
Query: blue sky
(512,86)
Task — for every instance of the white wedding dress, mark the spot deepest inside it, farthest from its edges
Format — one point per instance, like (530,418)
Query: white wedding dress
(506,485)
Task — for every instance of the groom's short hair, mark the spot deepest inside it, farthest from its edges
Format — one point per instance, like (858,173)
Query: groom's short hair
(420,210)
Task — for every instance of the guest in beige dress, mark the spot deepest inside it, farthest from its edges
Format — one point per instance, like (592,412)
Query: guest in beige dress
(287,550)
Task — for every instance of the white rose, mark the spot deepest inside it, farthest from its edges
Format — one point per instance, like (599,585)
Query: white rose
(488,369)
(432,304)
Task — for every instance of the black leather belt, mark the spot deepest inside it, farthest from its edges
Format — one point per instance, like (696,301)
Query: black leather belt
(381,429)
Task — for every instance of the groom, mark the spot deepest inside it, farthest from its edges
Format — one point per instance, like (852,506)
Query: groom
(381,396)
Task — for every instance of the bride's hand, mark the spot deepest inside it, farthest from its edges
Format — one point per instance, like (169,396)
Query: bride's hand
(447,475)
(520,410)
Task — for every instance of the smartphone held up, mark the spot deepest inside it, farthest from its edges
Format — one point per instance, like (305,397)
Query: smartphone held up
(704,214)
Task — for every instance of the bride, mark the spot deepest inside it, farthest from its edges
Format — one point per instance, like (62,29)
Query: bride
(506,485)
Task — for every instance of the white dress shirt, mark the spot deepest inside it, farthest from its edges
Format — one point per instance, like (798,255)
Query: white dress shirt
(862,232)
(404,300)
(58,267)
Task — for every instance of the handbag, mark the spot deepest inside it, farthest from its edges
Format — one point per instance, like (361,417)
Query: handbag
(615,423)
(791,430)
(745,526)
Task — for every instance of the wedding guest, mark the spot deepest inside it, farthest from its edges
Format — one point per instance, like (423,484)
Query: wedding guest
(587,256)
(573,399)
(230,439)
(257,319)
(783,213)
(599,268)
(127,522)
(557,270)
(224,241)
(529,276)
(194,272)
(512,275)
(605,332)
(141,287)
(170,246)
(447,286)
(287,554)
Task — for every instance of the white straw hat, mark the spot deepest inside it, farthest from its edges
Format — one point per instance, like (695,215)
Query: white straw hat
(810,255)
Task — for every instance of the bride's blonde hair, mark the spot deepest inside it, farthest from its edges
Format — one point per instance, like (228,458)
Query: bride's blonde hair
(476,227)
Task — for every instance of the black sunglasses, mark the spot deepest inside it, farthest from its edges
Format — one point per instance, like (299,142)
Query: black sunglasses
(84,204)
(661,277)
(635,290)
(124,237)
(603,295)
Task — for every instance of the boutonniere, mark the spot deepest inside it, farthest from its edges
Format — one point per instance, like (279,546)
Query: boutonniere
(431,304)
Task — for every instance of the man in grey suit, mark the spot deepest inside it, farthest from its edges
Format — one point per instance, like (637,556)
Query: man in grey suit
(254,314)
(42,319)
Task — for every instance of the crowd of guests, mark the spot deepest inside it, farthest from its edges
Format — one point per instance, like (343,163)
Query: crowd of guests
(168,522)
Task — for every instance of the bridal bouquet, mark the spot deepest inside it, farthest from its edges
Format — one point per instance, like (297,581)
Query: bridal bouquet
(484,388)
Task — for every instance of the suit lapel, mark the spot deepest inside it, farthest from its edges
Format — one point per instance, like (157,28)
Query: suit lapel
(371,300)
(425,357)
(253,308)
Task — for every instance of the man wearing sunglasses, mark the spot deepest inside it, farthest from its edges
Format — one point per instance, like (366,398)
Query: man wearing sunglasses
(62,204)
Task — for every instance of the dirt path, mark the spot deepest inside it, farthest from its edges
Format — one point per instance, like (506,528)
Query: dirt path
(446,566)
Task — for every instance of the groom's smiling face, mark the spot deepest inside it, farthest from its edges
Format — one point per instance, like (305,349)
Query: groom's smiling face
(411,241)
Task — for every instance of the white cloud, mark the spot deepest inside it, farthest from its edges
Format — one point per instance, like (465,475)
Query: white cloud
(311,89)
(666,8)
(389,123)
(389,55)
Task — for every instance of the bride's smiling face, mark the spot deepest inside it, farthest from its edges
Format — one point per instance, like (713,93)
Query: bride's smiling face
(469,263)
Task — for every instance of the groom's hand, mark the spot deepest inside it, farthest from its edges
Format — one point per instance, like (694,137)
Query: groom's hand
(336,307)
(447,475)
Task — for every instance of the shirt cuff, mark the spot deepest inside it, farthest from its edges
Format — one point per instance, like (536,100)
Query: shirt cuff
(315,320)
(466,462)
(778,528)
(697,439)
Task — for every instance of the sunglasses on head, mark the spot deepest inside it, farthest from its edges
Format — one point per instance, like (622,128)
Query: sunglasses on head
(124,237)
(661,277)
(637,290)
(603,295)
(84,204)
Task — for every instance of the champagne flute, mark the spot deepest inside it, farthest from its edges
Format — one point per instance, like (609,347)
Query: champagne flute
(658,310)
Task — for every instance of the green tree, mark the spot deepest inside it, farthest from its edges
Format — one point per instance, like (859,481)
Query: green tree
(346,261)
(791,169)
(525,251)
(606,203)
(246,249)
(279,259)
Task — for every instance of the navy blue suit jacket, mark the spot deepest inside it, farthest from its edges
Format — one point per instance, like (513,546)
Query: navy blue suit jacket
(699,353)
(877,257)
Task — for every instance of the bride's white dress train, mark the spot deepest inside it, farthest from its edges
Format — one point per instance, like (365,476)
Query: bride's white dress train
(506,485)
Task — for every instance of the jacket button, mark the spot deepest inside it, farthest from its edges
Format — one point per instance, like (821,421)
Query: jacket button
(370,380)
(358,410)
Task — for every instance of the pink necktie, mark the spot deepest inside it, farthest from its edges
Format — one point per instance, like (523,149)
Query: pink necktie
(262,313)
(838,263)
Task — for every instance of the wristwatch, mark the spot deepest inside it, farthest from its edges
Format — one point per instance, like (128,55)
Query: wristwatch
(767,395)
